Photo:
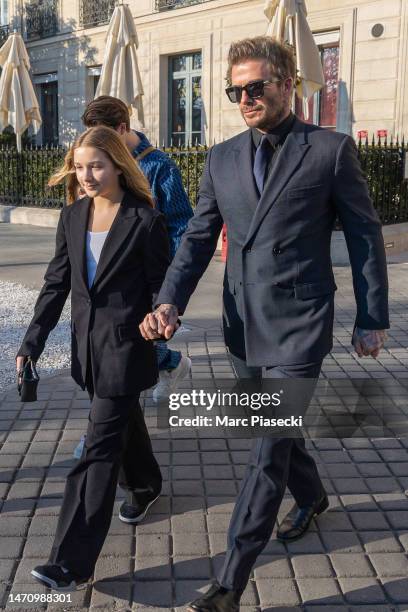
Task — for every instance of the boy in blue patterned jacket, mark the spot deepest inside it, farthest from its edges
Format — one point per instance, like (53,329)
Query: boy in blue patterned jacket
(171,199)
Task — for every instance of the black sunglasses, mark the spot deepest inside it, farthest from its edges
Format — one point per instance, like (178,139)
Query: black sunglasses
(254,89)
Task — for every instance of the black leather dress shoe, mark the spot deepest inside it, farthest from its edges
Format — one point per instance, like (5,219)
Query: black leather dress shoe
(297,521)
(217,599)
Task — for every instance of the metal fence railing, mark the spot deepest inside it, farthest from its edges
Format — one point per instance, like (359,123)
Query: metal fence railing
(93,13)
(165,5)
(190,162)
(41,19)
(383,164)
(24,176)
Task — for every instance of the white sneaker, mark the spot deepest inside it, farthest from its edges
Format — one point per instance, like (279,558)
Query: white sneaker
(168,380)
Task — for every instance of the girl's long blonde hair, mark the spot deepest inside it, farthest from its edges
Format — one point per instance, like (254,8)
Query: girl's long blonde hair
(107,140)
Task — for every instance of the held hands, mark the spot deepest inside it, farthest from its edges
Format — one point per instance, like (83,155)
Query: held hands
(162,323)
(368,341)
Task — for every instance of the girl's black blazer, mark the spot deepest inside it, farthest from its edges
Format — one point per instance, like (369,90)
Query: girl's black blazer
(106,317)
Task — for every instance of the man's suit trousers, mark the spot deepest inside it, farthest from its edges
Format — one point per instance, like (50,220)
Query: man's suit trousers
(274,463)
(117,448)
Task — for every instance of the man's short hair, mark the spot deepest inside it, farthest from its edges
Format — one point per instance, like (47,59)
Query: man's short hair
(280,57)
(106,110)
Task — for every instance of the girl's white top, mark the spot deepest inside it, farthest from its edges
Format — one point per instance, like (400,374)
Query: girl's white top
(94,244)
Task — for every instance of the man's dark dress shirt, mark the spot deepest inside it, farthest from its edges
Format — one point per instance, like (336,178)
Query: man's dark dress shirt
(276,138)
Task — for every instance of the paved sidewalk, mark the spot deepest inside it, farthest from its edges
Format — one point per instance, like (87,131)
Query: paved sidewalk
(354,558)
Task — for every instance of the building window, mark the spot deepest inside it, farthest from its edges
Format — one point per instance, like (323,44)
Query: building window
(95,83)
(185,101)
(4,32)
(94,74)
(92,14)
(48,94)
(165,5)
(323,105)
(4,27)
(4,22)
(4,16)
(41,19)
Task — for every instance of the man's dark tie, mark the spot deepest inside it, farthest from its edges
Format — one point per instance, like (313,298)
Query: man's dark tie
(261,162)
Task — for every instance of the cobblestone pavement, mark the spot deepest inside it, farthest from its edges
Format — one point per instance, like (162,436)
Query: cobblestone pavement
(353,558)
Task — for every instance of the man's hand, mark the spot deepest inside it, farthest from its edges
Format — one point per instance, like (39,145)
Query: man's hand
(162,323)
(368,341)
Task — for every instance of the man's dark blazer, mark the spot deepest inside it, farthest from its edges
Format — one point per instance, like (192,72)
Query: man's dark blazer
(279,285)
(105,317)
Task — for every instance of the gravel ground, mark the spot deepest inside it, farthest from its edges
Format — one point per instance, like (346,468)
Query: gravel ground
(16,309)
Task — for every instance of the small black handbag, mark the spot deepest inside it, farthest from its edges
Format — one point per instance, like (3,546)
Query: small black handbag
(28,381)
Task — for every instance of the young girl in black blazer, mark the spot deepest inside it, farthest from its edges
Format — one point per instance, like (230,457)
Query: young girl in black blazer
(112,254)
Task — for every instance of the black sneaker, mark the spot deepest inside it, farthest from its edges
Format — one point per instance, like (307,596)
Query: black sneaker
(135,514)
(57,578)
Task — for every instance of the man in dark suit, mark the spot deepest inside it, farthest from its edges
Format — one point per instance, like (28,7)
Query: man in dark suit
(278,187)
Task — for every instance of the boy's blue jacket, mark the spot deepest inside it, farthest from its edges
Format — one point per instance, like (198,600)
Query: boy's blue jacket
(167,189)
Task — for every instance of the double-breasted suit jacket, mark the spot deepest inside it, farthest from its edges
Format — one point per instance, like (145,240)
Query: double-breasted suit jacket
(279,284)
(106,316)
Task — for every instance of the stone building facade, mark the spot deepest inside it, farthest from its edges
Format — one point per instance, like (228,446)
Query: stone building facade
(182,54)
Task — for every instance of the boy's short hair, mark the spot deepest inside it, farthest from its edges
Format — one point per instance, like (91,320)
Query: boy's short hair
(106,110)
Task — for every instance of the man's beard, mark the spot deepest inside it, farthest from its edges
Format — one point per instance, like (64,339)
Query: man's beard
(269,120)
